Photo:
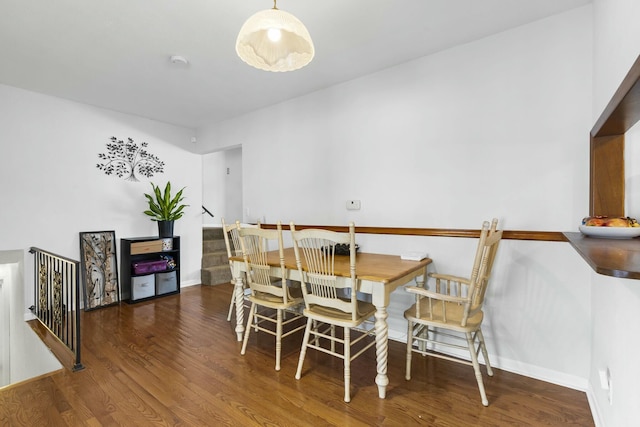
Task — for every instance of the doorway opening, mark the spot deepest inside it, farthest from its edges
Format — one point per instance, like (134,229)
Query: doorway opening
(222,186)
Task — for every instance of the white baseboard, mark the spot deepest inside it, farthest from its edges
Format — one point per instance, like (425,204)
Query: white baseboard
(187,283)
(593,405)
(540,373)
(517,367)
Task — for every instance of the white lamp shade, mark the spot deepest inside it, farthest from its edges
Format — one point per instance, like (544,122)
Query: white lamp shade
(294,50)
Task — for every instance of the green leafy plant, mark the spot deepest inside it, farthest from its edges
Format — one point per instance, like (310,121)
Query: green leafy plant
(163,206)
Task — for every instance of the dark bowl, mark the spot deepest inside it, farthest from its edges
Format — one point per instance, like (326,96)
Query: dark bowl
(343,249)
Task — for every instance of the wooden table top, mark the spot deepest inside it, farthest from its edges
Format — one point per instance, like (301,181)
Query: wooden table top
(373,267)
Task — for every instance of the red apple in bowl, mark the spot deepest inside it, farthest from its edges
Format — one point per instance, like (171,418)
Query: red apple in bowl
(594,221)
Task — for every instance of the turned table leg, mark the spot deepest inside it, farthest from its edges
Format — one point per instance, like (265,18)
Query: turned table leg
(382,349)
(239,292)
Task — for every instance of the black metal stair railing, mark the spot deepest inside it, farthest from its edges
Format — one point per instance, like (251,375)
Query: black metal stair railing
(206,211)
(57,298)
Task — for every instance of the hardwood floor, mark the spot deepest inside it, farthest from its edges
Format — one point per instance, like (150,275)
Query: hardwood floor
(175,361)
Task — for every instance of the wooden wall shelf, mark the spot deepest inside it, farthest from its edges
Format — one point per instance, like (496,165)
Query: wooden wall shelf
(611,257)
(618,258)
(606,190)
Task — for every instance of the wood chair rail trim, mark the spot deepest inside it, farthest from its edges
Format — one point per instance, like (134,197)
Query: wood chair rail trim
(616,263)
(549,236)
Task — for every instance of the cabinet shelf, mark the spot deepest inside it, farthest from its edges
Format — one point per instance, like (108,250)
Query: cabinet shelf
(154,272)
(148,285)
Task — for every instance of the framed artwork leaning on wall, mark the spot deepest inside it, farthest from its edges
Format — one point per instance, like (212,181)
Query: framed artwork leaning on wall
(99,269)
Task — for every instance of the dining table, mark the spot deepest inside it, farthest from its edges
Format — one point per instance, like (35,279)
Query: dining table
(377,275)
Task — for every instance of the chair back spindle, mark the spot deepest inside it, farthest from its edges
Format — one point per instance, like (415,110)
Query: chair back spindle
(255,243)
(318,249)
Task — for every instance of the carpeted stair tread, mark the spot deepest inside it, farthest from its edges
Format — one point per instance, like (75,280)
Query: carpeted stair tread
(215,275)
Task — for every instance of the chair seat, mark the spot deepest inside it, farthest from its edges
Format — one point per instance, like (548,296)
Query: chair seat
(454,316)
(339,317)
(274,301)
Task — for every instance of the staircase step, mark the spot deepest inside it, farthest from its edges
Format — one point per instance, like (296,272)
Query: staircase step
(209,246)
(215,275)
(215,264)
(213,259)
(212,233)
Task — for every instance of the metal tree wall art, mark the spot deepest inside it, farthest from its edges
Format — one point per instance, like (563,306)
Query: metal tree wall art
(126,158)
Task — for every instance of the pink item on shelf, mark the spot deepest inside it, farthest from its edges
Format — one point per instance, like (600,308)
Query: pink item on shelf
(149,266)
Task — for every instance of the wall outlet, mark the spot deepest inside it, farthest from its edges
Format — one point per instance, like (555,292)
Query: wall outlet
(606,384)
(604,381)
(610,393)
(353,205)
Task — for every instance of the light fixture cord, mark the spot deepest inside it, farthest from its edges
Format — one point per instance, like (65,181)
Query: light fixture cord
(274,5)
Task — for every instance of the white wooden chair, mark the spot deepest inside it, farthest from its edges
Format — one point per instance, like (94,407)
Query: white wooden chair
(330,300)
(450,316)
(268,295)
(232,241)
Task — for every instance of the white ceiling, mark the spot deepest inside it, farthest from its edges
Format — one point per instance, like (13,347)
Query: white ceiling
(115,53)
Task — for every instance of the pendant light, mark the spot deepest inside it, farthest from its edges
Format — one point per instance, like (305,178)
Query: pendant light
(274,40)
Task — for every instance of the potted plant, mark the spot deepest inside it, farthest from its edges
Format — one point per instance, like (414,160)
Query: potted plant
(165,208)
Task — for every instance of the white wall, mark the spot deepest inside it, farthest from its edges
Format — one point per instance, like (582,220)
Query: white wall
(213,194)
(6,280)
(616,302)
(222,185)
(51,189)
(615,347)
(406,139)
(233,184)
(497,127)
